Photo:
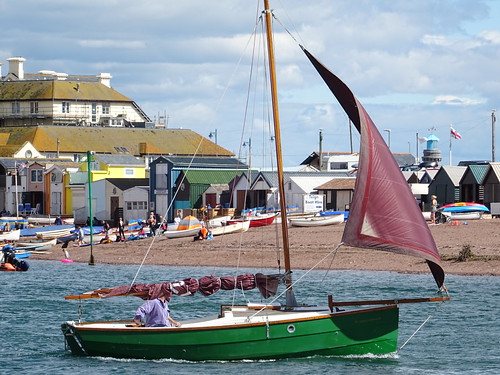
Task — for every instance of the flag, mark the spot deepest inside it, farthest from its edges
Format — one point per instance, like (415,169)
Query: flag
(21,167)
(423,139)
(454,133)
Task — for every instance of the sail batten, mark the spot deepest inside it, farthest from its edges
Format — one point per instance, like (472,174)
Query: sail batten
(384,214)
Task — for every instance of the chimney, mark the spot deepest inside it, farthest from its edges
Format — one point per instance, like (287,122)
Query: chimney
(105,79)
(16,67)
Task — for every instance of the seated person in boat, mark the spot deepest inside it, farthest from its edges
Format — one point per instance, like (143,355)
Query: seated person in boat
(155,313)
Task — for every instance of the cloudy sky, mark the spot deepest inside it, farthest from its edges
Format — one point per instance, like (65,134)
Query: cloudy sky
(415,65)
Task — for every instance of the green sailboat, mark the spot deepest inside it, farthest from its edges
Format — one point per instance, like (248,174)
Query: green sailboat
(291,329)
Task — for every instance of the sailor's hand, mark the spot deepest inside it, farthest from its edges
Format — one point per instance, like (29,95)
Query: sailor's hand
(177,324)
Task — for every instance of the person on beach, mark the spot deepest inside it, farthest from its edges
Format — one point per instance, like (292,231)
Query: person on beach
(155,313)
(152,224)
(434,206)
(80,235)
(121,230)
(202,234)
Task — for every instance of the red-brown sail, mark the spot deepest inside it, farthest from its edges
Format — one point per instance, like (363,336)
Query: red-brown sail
(383,214)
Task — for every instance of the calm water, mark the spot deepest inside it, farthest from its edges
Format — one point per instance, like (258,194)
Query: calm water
(463,336)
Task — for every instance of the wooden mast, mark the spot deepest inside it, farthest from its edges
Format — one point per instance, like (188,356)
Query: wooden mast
(290,297)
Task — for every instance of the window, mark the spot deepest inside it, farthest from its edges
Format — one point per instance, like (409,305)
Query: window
(105,108)
(137,205)
(16,108)
(338,165)
(34,107)
(65,107)
(129,172)
(36,175)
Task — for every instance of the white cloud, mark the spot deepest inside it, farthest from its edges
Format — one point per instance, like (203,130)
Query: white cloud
(454,100)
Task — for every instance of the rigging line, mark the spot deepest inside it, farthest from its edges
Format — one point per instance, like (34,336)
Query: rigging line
(173,198)
(296,281)
(291,21)
(414,333)
(245,116)
(420,327)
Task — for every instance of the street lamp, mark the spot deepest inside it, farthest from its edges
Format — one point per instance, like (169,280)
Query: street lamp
(249,155)
(213,135)
(389,137)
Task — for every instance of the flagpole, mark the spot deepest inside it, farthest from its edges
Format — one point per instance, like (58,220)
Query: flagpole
(16,179)
(450,143)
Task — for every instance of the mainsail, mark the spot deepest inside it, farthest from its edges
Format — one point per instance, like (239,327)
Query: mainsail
(383,214)
(207,285)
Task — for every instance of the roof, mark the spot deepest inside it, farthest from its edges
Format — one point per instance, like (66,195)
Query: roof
(128,183)
(211,176)
(11,163)
(222,161)
(454,173)
(105,140)
(401,158)
(272,177)
(119,160)
(338,184)
(309,183)
(59,90)
(478,171)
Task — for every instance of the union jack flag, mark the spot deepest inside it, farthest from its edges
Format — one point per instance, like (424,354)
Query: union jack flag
(454,133)
(21,167)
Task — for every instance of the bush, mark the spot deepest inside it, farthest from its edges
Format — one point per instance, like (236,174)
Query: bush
(465,254)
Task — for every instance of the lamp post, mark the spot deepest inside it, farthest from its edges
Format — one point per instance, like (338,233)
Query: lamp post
(493,120)
(213,135)
(249,155)
(89,177)
(389,137)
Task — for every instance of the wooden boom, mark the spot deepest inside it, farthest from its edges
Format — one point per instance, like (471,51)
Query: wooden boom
(332,304)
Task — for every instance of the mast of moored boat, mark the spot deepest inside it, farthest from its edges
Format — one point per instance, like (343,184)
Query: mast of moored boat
(290,296)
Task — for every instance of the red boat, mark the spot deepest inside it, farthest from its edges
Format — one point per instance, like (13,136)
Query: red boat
(256,221)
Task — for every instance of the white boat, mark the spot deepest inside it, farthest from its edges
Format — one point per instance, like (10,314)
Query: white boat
(218,221)
(12,235)
(51,234)
(182,232)
(41,220)
(241,226)
(97,237)
(473,215)
(317,221)
(39,245)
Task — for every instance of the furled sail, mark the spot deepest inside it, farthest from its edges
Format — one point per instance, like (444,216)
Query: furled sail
(383,214)
(207,285)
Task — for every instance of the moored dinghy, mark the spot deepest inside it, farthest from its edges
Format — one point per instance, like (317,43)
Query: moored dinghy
(292,329)
(189,226)
(317,221)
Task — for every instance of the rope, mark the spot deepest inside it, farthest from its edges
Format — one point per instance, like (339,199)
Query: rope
(300,278)
(419,328)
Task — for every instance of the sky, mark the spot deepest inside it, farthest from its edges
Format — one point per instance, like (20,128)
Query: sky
(418,67)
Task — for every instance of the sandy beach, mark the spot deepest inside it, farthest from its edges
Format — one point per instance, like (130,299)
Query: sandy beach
(310,247)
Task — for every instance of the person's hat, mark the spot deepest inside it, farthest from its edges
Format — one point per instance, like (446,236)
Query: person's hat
(433,196)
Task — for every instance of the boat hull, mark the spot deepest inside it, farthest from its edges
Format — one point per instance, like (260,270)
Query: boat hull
(241,226)
(365,331)
(318,221)
(256,221)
